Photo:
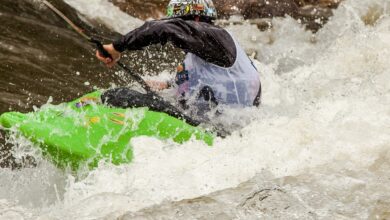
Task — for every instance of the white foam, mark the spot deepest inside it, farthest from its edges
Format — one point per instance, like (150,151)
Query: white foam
(106,13)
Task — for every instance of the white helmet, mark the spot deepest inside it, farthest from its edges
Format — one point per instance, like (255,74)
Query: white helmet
(181,8)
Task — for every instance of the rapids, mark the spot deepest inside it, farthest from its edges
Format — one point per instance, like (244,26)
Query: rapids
(318,148)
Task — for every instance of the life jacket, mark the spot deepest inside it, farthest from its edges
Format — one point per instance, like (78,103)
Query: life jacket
(238,85)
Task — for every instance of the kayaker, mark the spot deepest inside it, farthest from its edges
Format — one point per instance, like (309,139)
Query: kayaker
(216,70)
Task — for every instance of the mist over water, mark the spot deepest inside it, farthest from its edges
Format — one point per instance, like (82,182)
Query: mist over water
(318,148)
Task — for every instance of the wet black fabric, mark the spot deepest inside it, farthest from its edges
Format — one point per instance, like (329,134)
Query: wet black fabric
(257,101)
(127,98)
(207,41)
(207,94)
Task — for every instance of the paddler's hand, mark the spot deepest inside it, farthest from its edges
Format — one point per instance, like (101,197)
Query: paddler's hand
(116,55)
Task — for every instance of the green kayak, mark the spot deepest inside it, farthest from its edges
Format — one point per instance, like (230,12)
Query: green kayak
(84,131)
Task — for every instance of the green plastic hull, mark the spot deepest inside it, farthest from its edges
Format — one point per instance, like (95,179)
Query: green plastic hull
(83,132)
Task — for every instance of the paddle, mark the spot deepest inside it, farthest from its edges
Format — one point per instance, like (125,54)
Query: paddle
(172,110)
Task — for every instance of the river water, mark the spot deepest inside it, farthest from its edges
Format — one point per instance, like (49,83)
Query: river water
(318,148)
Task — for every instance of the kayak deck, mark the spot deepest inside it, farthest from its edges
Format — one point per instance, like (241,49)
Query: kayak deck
(83,132)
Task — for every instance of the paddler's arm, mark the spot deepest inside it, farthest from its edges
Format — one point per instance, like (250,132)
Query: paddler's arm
(154,85)
(211,43)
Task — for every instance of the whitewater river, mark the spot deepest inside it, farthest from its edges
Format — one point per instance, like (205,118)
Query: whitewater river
(318,148)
